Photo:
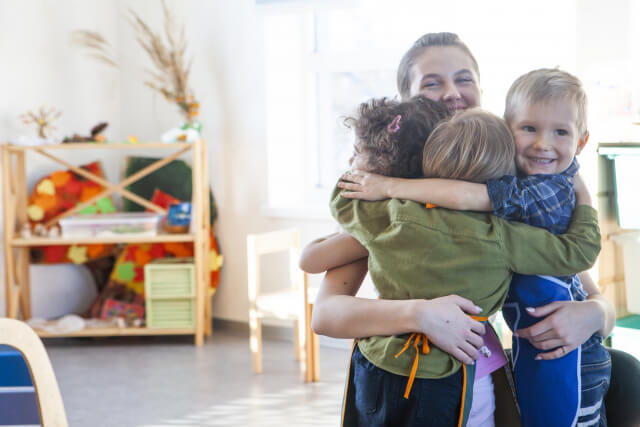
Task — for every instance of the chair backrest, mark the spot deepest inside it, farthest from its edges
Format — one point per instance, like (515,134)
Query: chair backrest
(269,243)
(20,336)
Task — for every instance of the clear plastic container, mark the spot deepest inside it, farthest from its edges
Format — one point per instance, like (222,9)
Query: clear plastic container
(112,224)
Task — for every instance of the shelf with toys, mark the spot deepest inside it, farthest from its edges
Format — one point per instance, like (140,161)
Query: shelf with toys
(18,242)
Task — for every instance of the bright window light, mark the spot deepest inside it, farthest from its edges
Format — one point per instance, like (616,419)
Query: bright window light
(324,58)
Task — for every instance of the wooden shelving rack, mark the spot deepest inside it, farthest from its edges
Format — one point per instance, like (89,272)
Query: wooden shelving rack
(16,248)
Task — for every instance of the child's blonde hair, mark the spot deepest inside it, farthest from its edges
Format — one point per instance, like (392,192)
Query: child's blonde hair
(474,145)
(547,84)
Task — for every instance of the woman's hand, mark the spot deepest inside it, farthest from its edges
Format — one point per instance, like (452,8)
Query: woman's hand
(446,323)
(365,186)
(566,326)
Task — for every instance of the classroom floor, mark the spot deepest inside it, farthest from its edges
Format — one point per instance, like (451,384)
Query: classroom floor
(166,381)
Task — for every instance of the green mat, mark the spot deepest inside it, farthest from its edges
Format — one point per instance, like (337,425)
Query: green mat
(631,322)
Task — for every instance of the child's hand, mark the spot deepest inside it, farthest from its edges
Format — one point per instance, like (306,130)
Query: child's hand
(365,186)
(445,322)
(583,197)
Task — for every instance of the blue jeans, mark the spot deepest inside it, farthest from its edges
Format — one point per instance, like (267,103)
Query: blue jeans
(595,373)
(379,399)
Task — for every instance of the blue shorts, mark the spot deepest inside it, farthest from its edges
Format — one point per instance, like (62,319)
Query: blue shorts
(374,397)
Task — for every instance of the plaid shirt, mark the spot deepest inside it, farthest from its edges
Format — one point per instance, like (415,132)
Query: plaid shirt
(545,201)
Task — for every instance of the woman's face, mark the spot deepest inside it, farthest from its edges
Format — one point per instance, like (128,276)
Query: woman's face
(446,74)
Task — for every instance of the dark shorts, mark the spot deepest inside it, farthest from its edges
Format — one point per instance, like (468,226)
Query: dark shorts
(377,398)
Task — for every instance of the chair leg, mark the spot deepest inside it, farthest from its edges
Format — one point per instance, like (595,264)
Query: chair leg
(255,341)
(312,355)
(297,353)
(315,357)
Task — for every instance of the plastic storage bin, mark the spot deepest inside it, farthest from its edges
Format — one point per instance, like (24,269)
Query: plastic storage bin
(169,286)
(626,176)
(114,224)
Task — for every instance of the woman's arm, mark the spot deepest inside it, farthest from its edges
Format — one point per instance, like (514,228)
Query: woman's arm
(447,193)
(338,313)
(331,251)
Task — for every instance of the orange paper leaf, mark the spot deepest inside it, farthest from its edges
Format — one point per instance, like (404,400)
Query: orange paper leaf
(94,250)
(60,178)
(89,192)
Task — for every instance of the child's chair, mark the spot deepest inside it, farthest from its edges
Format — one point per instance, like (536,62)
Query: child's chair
(21,337)
(293,302)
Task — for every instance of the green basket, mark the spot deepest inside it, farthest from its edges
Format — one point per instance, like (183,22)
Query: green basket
(169,287)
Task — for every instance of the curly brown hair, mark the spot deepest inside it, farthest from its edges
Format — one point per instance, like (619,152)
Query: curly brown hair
(392,134)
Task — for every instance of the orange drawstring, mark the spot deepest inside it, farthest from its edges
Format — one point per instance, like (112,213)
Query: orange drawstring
(414,368)
(425,350)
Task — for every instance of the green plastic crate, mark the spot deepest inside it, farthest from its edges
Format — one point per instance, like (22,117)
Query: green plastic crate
(169,286)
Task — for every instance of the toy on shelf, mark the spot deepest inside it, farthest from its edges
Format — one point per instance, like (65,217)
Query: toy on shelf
(188,132)
(178,218)
(131,313)
(25,233)
(95,136)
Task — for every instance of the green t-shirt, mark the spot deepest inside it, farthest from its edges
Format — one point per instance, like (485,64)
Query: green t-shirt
(416,252)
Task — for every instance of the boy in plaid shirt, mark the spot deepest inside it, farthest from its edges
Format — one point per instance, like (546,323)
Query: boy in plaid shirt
(546,111)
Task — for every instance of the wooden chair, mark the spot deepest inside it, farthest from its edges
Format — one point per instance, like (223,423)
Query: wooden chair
(292,302)
(20,336)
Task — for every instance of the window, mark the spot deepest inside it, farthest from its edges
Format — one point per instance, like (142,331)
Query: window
(323,59)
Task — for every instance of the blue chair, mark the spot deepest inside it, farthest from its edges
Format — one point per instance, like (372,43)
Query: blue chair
(29,393)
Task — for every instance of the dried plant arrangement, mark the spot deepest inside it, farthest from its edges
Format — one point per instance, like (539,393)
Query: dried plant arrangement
(96,46)
(172,69)
(43,119)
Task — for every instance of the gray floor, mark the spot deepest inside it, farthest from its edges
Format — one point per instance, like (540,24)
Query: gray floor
(166,381)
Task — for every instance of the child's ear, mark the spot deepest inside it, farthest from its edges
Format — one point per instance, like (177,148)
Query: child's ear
(582,142)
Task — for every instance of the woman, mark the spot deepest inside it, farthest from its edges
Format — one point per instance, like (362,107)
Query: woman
(442,68)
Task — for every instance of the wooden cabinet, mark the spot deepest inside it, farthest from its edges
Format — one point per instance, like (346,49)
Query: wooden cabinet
(16,248)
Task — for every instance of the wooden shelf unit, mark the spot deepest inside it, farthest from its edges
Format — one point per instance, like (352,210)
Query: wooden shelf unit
(16,248)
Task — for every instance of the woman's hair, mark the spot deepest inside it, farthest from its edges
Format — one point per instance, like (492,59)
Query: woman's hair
(419,46)
(474,145)
(543,85)
(391,134)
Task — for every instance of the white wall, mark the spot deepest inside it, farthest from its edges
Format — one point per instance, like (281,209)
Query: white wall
(40,67)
